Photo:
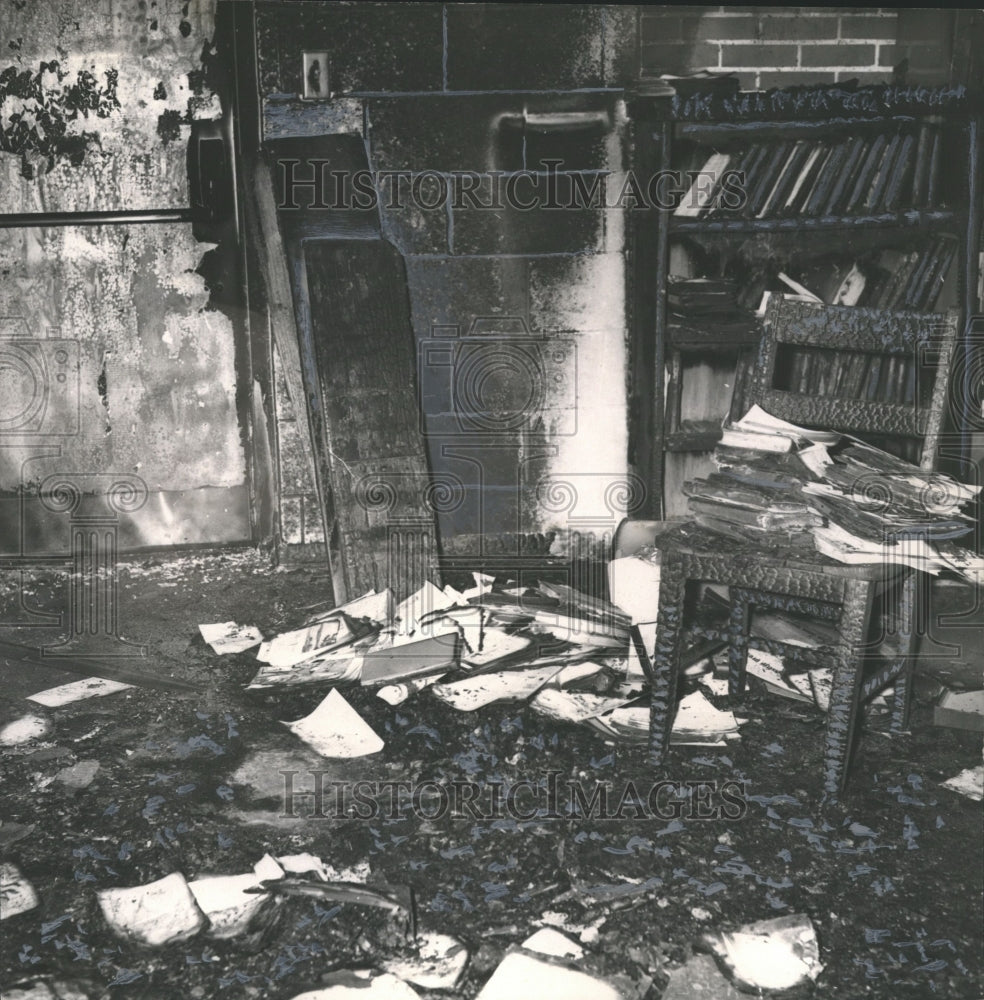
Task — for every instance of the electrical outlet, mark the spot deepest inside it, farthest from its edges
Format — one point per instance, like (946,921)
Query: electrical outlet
(315,76)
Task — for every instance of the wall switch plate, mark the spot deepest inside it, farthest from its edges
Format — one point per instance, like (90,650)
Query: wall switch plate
(315,76)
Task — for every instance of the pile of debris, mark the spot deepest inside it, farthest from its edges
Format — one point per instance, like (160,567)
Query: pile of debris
(572,657)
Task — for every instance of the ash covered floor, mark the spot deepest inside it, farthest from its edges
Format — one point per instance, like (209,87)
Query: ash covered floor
(128,788)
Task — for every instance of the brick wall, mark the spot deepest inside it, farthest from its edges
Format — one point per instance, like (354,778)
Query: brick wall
(778,47)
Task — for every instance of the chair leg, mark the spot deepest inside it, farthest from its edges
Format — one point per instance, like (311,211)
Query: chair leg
(666,661)
(738,641)
(845,695)
(912,608)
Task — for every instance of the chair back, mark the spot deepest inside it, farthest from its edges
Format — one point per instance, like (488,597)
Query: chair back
(881,376)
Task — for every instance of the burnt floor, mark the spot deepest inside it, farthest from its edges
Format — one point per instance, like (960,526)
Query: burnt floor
(190,782)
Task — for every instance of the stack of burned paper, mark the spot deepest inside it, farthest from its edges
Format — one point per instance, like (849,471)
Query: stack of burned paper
(782,484)
(565,653)
(369,640)
(482,632)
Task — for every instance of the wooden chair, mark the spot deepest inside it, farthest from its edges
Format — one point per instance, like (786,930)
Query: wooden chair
(882,377)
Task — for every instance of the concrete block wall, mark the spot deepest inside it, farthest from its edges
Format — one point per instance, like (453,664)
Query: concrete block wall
(427,87)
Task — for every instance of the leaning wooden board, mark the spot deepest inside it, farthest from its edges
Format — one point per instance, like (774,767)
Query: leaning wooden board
(359,366)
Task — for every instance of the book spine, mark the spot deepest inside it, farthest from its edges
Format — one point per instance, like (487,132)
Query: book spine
(933,180)
(768,205)
(831,172)
(895,292)
(840,189)
(863,182)
(817,174)
(921,173)
(855,366)
(873,201)
(900,174)
(752,169)
(916,277)
(793,199)
(936,287)
(769,171)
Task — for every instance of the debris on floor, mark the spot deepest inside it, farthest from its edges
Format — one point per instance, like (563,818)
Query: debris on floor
(700,979)
(960,710)
(323,636)
(335,729)
(23,730)
(79,775)
(510,685)
(153,915)
(17,895)
(228,903)
(228,637)
(527,975)
(510,901)
(697,723)
(67,694)
(438,963)
(396,657)
(773,954)
(472,649)
(43,991)
(361,985)
(969,782)
(548,941)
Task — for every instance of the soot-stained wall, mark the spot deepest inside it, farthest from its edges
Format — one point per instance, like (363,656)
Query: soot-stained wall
(153,395)
(518,314)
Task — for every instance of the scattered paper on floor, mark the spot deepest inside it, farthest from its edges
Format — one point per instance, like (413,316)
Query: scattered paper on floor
(155,914)
(508,685)
(377,607)
(23,730)
(419,605)
(66,694)
(548,941)
(291,648)
(17,895)
(335,729)
(361,984)
(770,954)
(525,976)
(228,637)
(573,706)
(227,904)
(438,964)
(396,694)
(396,657)
(969,782)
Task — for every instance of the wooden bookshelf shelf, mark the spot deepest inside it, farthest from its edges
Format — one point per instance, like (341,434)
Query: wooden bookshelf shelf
(912,219)
(833,104)
(880,184)
(694,435)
